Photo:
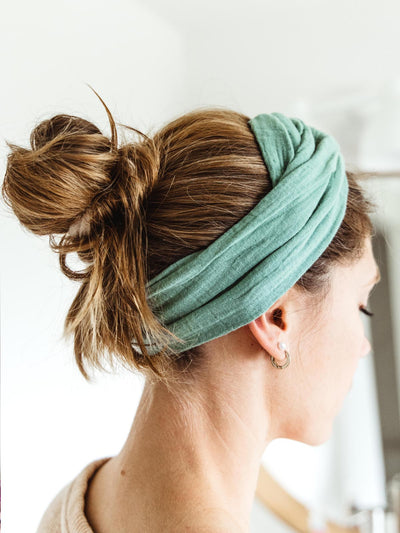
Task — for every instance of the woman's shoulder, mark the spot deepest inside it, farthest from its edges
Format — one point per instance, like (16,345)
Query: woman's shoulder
(106,504)
(66,511)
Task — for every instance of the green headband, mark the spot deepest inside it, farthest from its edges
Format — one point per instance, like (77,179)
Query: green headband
(233,281)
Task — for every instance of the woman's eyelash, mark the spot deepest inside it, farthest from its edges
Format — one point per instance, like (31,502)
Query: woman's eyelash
(366,311)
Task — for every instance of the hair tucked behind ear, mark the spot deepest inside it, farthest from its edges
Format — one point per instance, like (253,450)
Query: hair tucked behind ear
(132,211)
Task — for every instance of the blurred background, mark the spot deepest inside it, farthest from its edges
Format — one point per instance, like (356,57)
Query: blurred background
(336,66)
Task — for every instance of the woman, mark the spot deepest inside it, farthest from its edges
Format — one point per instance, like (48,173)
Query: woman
(227,259)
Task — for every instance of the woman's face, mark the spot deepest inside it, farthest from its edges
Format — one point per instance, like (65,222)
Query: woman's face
(327,352)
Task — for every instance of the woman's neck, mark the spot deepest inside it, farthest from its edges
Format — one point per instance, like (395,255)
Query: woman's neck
(199,456)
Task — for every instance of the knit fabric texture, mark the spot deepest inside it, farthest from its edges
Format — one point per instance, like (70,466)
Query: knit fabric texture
(66,512)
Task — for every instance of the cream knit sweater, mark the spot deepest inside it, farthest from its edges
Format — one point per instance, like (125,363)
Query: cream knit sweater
(65,513)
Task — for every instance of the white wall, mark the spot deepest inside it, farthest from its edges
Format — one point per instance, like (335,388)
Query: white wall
(149,61)
(266,55)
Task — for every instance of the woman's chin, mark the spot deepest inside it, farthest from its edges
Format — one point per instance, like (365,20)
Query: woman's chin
(320,438)
(315,437)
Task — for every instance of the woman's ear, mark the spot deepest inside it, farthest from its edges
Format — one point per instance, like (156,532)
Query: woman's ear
(267,329)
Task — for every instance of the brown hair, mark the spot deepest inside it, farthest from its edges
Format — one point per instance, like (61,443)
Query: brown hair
(147,204)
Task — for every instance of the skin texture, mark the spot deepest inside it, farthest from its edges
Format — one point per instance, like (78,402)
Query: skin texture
(193,463)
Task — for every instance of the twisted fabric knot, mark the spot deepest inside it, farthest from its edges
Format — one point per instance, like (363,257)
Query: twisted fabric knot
(233,281)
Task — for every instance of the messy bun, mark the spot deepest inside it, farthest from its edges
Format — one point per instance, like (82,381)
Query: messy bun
(131,211)
(77,183)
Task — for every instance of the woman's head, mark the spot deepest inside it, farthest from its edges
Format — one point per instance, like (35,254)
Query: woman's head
(326,340)
(147,204)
